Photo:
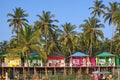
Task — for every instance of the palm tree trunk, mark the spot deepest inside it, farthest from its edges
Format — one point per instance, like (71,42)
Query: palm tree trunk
(46,47)
(90,49)
(112,39)
(69,51)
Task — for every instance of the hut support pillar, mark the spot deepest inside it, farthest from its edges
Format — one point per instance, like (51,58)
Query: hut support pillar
(80,70)
(113,70)
(46,72)
(14,71)
(2,70)
(23,72)
(28,70)
(98,68)
(64,71)
(71,70)
(54,70)
(87,70)
(34,70)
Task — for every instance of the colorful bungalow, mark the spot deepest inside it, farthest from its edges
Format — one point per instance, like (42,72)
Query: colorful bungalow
(105,59)
(11,61)
(34,60)
(79,59)
(56,59)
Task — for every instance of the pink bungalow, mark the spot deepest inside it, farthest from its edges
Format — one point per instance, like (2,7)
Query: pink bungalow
(79,59)
(56,60)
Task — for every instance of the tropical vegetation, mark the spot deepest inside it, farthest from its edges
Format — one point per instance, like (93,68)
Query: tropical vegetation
(46,37)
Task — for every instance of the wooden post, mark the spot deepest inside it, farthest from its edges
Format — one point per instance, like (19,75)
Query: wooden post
(98,68)
(64,71)
(34,70)
(113,70)
(14,71)
(24,72)
(87,70)
(2,70)
(3,66)
(28,70)
(71,70)
(54,70)
(80,70)
(118,75)
(46,72)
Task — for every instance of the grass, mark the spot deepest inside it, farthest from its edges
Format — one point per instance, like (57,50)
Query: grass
(57,77)
(60,77)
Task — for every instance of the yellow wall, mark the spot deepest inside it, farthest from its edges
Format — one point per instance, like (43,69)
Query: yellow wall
(12,61)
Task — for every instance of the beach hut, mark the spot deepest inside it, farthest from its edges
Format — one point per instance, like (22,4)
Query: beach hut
(105,59)
(79,59)
(34,60)
(56,59)
(10,61)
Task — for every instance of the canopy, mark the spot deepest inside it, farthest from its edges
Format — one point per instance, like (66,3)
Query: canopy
(5,55)
(33,54)
(105,54)
(79,54)
(56,55)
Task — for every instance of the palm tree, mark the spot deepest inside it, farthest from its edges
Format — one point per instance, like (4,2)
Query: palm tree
(46,26)
(53,44)
(117,44)
(83,43)
(29,42)
(97,8)
(116,20)
(91,29)
(18,19)
(4,46)
(67,37)
(105,45)
(114,6)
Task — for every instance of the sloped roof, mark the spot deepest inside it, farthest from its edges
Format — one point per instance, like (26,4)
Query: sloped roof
(106,54)
(79,54)
(33,54)
(6,54)
(56,55)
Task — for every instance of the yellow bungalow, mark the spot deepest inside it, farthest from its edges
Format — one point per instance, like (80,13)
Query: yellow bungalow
(12,61)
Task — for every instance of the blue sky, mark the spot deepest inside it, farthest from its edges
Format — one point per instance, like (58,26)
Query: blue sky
(73,11)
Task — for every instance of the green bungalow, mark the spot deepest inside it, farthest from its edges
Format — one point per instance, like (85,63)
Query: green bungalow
(34,60)
(105,59)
